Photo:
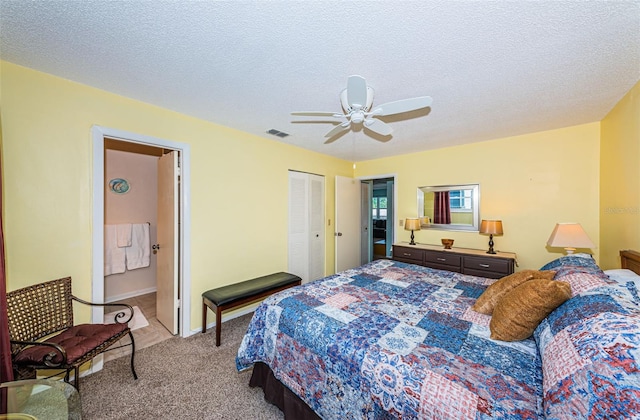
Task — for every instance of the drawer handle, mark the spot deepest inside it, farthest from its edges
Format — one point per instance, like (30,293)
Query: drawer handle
(406,254)
(484,265)
(441,259)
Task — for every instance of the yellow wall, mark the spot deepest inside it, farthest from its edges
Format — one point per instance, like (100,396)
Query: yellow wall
(530,182)
(47,175)
(620,179)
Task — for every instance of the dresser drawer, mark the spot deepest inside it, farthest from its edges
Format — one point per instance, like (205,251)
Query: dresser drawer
(494,265)
(411,255)
(474,262)
(442,259)
(452,268)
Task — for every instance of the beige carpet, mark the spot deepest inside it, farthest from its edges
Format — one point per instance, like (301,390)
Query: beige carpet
(179,378)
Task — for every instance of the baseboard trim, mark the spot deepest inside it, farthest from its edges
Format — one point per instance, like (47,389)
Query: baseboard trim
(130,295)
(232,315)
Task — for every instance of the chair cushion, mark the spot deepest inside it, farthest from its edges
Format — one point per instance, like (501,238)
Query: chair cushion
(77,341)
(226,294)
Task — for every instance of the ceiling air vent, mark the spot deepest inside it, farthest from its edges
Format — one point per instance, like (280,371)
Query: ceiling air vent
(278,133)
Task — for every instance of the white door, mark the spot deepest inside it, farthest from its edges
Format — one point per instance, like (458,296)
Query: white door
(306,226)
(347,226)
(298,243)
(167,255)
(316,227)
(366,227)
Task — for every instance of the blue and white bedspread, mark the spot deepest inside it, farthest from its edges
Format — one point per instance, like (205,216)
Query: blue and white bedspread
(393,340)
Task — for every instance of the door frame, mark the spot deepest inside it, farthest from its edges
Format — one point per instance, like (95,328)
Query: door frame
(98,133)
(366,234)
(394,216)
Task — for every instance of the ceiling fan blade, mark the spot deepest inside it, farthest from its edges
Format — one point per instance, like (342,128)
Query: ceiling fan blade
(338,129)
(356,91)
(403,105)
(378,126)
(317,114)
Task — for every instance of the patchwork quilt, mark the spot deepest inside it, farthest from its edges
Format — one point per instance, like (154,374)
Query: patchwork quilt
(590,346)
(393,340)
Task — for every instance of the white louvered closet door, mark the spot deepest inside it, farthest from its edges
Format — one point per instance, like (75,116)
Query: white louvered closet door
(306,226)
(316,225)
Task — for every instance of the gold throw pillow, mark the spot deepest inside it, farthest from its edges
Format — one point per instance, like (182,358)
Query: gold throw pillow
(490,297)
(520,311)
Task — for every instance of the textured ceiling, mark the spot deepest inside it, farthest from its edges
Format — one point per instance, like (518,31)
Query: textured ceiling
(493,69)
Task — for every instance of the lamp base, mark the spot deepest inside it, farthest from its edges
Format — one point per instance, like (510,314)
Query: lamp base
(491,251)
(412,242)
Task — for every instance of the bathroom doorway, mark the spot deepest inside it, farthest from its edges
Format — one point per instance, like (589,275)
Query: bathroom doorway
(110,141)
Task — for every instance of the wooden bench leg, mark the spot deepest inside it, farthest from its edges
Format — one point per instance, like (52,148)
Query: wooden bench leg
(204,317)
(218,325)
(218,310)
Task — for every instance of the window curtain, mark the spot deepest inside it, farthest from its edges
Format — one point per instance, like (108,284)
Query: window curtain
(6,372)
(441,209)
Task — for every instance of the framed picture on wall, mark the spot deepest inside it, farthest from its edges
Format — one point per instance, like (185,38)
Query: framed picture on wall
(119,186)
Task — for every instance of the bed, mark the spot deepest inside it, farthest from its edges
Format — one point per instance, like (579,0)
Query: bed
(395,340)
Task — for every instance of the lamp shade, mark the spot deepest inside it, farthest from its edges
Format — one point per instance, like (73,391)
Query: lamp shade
(411,224)
(569,236)
(493,227)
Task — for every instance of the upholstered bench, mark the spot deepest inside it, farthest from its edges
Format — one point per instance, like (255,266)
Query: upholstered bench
(227,297)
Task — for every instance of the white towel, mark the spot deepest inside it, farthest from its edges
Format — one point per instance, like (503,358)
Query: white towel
(139,251)
(123,234)
(114,257)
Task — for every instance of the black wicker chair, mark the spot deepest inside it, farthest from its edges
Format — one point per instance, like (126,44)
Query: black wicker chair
(45,311)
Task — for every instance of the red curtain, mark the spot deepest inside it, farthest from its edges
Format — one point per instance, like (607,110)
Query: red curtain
(441,208)
(6,373)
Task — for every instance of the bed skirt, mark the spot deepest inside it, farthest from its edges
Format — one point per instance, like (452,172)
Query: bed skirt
(279,395)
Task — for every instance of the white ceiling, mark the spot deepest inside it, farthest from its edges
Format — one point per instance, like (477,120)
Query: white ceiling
(493,69)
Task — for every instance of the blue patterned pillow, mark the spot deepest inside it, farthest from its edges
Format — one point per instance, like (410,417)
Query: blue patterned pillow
(577,263)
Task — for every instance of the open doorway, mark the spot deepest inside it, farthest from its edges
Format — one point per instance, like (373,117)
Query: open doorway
(377,217)
(134,272)
(181,225)
(382,217)
(354,203)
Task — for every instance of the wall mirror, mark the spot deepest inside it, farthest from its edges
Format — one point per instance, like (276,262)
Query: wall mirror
(449,207)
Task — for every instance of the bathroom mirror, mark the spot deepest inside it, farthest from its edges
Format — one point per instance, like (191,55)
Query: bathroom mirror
(449,207)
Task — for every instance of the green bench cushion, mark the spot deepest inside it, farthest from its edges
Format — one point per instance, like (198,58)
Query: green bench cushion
(227,294)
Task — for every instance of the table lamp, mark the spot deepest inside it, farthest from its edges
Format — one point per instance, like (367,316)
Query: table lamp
(492,227)
(569,236)
(412,225)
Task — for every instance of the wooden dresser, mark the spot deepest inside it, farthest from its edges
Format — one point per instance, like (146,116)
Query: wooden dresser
(475,262)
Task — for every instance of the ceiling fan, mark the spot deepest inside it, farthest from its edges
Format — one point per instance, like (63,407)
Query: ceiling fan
(356,101)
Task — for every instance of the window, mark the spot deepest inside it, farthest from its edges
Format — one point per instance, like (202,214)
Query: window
(379,208)
(460,200)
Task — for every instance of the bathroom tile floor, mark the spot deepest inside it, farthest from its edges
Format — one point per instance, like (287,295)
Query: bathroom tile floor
(147,336)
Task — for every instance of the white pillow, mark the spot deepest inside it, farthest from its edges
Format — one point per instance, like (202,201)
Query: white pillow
(623,275)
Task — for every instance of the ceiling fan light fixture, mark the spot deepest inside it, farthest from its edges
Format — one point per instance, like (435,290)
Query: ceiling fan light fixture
(344,101)
(357,117)
(355,113)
